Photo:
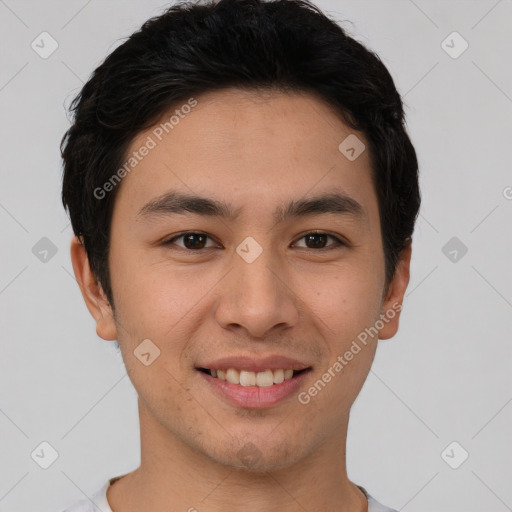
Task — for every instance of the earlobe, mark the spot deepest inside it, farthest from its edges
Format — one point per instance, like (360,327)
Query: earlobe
(93,295)
(392,305)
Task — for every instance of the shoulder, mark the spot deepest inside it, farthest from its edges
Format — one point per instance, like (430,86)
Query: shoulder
(80,506)
(373,504)
(97,503)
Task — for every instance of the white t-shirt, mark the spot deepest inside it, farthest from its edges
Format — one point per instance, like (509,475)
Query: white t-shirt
(99,501)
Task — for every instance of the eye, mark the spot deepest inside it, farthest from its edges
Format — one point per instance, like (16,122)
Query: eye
(316,239)
(192,241)
(195,241)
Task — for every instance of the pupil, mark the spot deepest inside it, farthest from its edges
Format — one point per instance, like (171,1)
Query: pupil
(313,236)
(190,237)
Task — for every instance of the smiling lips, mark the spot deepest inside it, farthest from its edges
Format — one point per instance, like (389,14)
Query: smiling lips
(254,390)
(250,371)
(262,379)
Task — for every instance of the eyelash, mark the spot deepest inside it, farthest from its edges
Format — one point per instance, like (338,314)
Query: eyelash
(339,242)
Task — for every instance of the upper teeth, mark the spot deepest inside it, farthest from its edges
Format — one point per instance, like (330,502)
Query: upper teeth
(260,379)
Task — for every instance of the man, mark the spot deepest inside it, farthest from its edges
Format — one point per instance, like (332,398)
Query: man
(243,194)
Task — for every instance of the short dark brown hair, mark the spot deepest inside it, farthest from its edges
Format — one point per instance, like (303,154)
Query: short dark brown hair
(197,47)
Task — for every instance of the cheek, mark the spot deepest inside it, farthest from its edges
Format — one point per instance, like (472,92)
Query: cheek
(346,299)
(348,309)
(164,305)
(146,297)
(153,309)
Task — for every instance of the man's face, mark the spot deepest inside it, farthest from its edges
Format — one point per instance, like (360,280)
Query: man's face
(252,286)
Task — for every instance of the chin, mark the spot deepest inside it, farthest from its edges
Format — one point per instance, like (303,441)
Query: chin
(259,458)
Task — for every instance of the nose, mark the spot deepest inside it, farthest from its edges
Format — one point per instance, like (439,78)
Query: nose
(257,297)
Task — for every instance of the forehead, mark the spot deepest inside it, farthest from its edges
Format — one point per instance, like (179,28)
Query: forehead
(254,146)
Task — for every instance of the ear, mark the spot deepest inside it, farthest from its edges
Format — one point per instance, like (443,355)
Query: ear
(94,297)
(392,304)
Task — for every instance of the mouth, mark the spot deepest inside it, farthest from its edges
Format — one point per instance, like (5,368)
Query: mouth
(247,389)
(262,379)
(253,381)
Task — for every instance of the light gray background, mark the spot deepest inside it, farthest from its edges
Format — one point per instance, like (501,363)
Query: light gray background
(445,377)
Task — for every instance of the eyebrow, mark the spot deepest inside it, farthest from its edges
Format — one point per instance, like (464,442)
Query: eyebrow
(179,203)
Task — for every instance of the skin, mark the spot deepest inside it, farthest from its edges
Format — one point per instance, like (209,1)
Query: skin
(256,151)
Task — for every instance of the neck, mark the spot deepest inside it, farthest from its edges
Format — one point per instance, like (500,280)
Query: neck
(172,476)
